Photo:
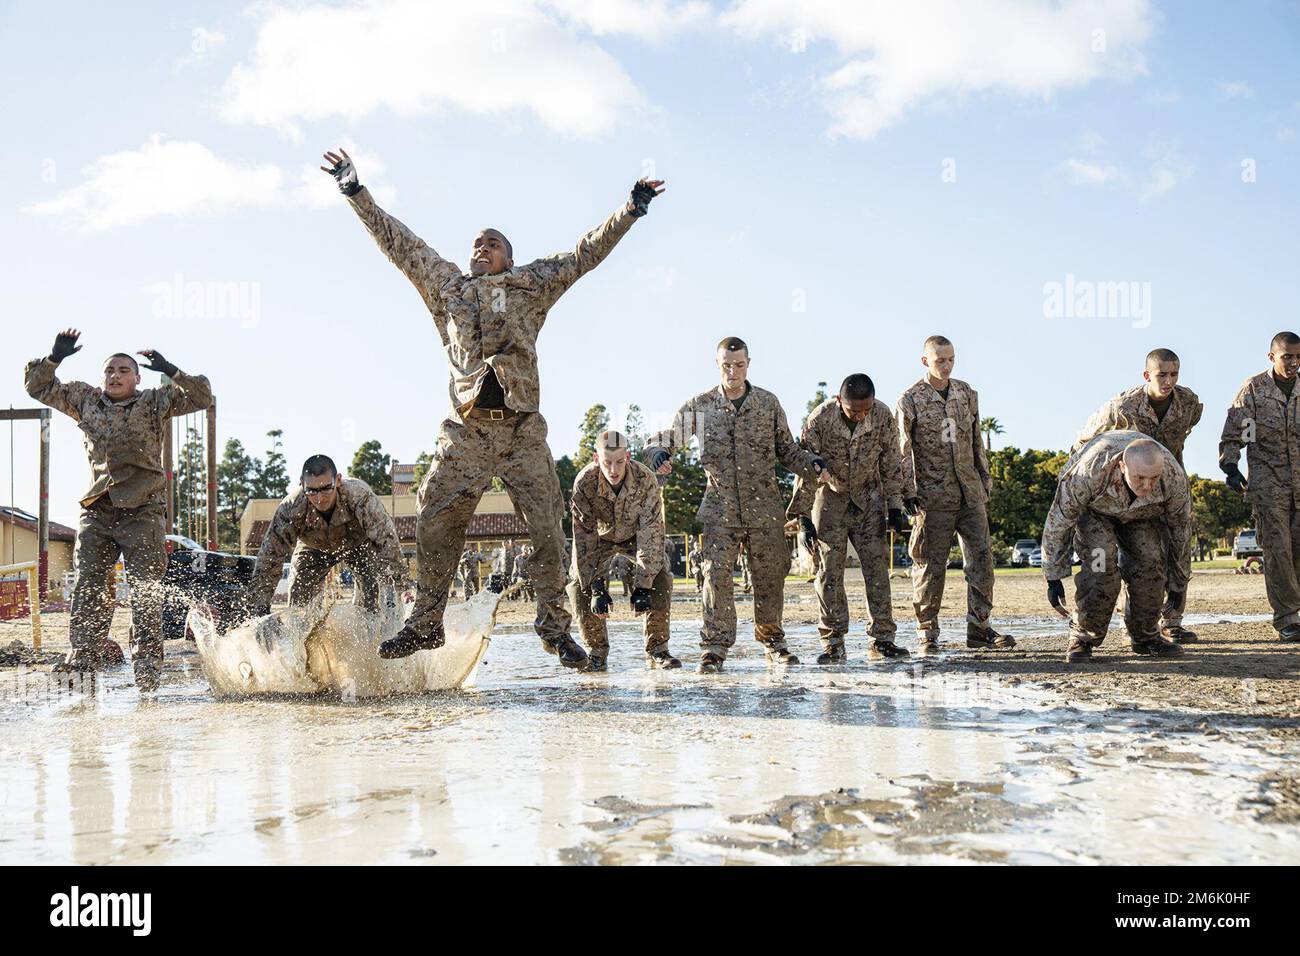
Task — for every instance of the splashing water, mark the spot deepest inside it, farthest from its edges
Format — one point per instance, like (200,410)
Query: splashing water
(326,646)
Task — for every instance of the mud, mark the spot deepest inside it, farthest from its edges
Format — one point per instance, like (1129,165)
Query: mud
(965,757)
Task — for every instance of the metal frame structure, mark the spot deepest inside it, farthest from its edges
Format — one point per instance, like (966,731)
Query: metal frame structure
(42,415)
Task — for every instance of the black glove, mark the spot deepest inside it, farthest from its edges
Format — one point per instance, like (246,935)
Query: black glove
(642,193)
(818,464)
(897,521)
(640,600)
(1056,594)
(807,534)
(601,603)
(65,344)
(345,174)
(658,459)
(1236,480)
(912,506)
(157,363)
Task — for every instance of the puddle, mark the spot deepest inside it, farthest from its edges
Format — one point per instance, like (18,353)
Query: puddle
(880,762)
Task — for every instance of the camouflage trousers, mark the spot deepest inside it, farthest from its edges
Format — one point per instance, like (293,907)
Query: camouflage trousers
(1115,555)
(311,566)
(470,454)
(139,536)
(1277,525)
(839,521)
(594,632)
(932,534)
(769,561)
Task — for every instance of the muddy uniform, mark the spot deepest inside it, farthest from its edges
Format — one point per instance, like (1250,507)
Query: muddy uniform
(610,523)
(469,572)
(358,533)
(1138,543)
(489,326)
(1266,421)
(739,450)
(866,481)
(1132,409)
(125,509)
(945,468)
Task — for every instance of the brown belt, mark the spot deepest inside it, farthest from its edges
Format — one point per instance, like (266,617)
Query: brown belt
(492,414)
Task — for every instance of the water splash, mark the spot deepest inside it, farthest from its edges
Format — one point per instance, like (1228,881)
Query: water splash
(331,647)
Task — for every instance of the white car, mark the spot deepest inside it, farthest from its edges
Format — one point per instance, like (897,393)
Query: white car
(1036,558)
(282,586)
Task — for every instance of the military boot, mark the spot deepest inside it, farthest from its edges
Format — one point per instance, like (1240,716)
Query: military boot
(780,655)
(1080,652)
(987,638)
(709,664)
(568,651)
(1290,634)
(81,660)
(929,643)
(883,648)
(1156,647)
(662,660)
(597,662)
(834,654)
(407,641)
(1179,634)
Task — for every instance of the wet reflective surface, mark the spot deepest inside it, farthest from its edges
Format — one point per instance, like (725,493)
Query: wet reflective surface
(869,762)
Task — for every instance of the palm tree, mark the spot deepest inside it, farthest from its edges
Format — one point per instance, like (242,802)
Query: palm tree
(990,427)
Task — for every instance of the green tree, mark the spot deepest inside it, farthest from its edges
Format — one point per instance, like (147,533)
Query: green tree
(236,474)
(817,399)
(593,423)
(990,427)
(566,471)
(1218,512)
(634,429)
(370,464)
(1024,484)
(272,480)
(683,491)
(422,462)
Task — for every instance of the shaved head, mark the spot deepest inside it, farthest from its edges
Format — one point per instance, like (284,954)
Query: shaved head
(1142,465)
(1144,453)
(612,455)
(510,250)
(611,441)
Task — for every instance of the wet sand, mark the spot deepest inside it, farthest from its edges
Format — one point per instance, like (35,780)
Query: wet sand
(965,757)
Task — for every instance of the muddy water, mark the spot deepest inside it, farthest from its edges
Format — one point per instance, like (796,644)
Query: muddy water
(878,762)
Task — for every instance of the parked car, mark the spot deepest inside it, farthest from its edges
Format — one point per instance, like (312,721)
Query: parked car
(1245,545)
(1036,558)
(1021,551)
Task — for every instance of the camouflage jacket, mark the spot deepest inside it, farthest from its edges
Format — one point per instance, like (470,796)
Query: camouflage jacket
(864,463)
(492,319)
(124,440)
(1131,410)
(606,523)
(1091,479)
(1267,423)
(943,457)
(359,520)
(739,452)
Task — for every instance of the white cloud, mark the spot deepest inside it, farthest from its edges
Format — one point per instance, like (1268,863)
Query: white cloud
(647,19)
(1236,90)
(414,58)
(1168,169)
(185,178)
(898,56)
(1091,174)
(202,43)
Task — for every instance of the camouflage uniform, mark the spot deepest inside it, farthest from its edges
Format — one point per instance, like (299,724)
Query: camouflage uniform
(742,505)
(866,480)
(607,525)
(1138,543)
(124,511)
(358,534)
(490,322)
(1266,421)
(945,467)
(469,565)
(1131,409)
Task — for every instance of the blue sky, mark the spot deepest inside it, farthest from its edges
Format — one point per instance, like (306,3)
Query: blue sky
(842,182)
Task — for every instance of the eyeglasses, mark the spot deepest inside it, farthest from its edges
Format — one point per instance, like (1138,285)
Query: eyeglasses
(318,492)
